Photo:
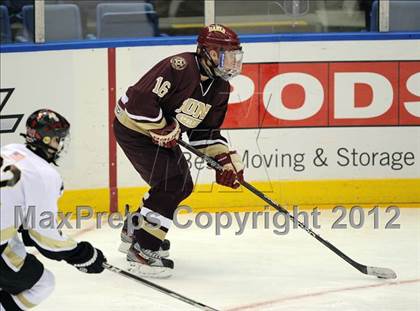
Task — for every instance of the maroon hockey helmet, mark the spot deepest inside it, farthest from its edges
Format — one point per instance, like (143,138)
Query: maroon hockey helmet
(42,127)
(226,43)
(218,36)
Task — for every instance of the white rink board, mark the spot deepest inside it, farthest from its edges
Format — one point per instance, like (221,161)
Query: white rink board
(289,154)
(332,51)
(132,65)
(74,83)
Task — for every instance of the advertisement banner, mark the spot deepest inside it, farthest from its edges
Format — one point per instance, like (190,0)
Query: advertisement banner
(288,95)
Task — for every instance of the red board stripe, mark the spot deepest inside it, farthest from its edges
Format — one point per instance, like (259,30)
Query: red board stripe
(113,189)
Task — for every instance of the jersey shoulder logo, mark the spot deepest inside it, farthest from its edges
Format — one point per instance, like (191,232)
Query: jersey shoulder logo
(178,63)
(12,156)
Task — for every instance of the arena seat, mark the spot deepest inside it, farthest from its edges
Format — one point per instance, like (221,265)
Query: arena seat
(62,22)
(403,16)
(126,20)
(5,31)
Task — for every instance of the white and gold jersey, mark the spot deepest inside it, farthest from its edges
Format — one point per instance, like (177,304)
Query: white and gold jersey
(26,202)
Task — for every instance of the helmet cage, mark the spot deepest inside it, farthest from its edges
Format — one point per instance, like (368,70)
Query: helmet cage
(228,66)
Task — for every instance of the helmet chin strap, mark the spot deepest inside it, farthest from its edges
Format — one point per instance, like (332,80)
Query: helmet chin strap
(209,70)
(204,71)
(42,150)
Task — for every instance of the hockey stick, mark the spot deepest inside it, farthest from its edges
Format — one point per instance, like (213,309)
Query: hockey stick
(383,273)
(157,287)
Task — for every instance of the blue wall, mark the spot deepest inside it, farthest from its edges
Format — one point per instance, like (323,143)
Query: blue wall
(92,44)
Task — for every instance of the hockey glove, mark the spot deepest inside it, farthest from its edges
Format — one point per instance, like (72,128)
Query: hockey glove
(167,136)
(233,169)
(92,261)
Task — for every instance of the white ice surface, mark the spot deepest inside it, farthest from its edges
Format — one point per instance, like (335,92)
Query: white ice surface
(257,270)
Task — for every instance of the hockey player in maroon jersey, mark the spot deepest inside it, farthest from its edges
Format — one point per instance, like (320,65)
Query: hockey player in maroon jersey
(187,92)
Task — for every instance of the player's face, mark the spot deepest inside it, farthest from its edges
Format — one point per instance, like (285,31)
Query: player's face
(59,144)
(229,63)
(55,143)
(231,59)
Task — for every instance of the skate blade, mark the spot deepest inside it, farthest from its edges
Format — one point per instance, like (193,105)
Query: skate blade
(124,247)
(164,254)
(149,271)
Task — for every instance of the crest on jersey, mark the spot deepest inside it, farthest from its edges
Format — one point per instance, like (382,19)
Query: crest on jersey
(192,112)
(178,63)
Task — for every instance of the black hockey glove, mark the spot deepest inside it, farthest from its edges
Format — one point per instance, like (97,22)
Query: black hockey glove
(92,260)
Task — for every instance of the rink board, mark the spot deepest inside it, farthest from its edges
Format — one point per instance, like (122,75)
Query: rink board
(295,105)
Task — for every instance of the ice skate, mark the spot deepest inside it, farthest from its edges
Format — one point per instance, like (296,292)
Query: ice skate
(147,263)
(127,240)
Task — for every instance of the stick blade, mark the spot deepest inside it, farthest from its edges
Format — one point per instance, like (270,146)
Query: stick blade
(382,273)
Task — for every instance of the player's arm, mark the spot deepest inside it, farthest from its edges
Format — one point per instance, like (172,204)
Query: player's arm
(211,142)
(139,109)
(51,242)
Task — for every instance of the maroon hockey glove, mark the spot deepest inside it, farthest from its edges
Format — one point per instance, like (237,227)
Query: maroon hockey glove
(233,169)
(167,136)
